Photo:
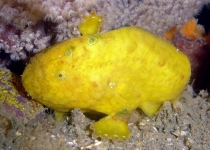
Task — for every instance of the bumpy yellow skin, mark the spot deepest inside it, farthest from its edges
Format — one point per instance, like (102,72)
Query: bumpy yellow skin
(113,73)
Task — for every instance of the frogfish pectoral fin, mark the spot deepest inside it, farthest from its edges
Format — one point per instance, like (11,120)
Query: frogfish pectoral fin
(113,126)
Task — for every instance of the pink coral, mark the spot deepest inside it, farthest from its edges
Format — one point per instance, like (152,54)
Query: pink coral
(20,18)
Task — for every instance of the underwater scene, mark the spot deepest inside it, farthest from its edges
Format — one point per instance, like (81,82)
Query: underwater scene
(104,75)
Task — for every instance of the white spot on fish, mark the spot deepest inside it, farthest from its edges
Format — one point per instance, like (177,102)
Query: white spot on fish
(111,84)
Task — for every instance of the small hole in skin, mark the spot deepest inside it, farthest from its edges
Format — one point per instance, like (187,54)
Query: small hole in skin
(92,40)
(69,53)
(61,75)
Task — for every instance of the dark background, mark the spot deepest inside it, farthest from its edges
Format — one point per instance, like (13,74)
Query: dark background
(204,17)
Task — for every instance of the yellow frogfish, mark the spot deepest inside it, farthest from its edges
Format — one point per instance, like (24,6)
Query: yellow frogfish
(111,73)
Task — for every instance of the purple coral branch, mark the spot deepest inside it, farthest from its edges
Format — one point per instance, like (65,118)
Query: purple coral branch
(18,43)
